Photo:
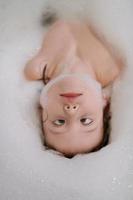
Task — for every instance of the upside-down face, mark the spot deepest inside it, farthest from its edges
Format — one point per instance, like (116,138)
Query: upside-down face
(72,113)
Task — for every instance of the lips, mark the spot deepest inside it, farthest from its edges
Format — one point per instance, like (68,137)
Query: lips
(71,94)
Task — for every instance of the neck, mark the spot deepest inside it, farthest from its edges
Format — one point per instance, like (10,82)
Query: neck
(74,65)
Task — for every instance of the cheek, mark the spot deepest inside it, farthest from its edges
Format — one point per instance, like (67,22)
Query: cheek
(44,115)
(50,138)
(46,131)
(50,104)
(100,132)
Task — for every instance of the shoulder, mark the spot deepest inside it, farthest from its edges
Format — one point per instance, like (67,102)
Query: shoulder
(109,71)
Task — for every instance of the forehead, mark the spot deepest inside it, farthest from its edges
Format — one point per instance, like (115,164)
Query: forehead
(74,145)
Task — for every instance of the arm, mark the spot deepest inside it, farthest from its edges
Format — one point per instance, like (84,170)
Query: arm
(107,61)
(56,45)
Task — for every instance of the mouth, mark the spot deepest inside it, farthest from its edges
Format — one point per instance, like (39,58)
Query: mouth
(71,94)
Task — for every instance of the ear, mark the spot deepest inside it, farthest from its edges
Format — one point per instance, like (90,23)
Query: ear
(34,68)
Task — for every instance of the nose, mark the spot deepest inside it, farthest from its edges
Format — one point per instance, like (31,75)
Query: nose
(71,109)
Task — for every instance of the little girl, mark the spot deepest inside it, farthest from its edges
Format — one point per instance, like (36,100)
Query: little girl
(75,66)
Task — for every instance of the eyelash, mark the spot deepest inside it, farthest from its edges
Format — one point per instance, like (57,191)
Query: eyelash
(65,120)
(56,120)
(89,123)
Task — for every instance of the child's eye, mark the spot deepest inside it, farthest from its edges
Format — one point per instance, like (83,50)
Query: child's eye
(59,122)
(86,121)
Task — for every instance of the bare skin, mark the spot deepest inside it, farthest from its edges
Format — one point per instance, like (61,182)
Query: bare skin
(71,47)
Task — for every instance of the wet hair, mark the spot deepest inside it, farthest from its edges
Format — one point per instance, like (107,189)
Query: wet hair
(49,16)
(106,128)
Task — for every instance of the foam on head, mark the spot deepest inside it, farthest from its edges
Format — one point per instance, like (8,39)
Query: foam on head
(85,77)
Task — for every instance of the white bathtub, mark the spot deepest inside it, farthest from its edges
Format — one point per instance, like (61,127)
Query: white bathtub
(27,170)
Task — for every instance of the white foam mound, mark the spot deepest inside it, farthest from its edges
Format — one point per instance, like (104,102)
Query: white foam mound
(27,170)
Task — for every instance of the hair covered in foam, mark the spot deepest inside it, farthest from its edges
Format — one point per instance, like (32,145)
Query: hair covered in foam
(84,77)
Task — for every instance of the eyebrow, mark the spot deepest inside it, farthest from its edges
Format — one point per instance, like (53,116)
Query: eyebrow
(91,130)
(87,131)
(56,131)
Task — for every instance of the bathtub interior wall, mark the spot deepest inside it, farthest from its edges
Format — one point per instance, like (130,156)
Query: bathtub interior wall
(27,170)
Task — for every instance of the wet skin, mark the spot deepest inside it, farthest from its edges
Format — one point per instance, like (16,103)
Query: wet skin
(73,125)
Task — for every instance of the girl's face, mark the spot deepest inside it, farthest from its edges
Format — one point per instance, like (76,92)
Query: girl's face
(72,125)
